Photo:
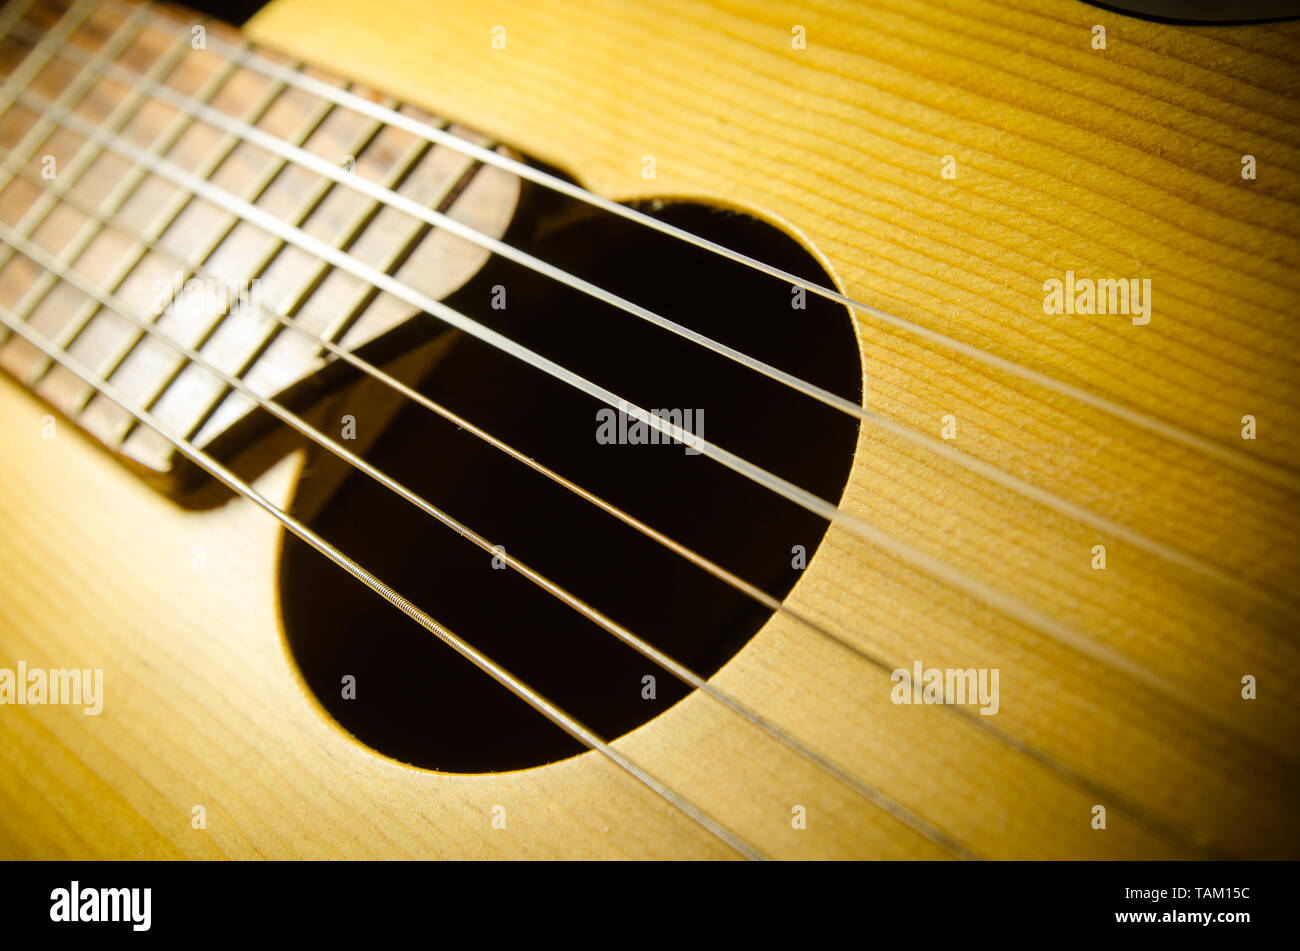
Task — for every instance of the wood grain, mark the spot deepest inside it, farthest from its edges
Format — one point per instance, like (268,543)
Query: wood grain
(1117,163)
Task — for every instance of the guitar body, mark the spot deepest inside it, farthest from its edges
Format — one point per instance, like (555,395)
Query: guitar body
(942,161)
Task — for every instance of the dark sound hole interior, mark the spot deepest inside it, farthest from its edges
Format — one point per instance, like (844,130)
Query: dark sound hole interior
(417,700)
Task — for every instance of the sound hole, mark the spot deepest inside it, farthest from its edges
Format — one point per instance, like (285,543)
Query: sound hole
(419,702)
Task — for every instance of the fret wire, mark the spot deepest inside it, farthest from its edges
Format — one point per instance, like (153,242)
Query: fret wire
(402,253)
(405,166)
(932,444)
(88,151)
(500,674)
(263,180)
(313,201)
(647,650)
(92,68)
(44,47)
(252,193)
(84,157)
(1141,813)
(1274,472)
(11,14)
(169,213)
(37,58)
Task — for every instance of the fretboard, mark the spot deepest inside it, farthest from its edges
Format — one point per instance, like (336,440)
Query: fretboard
(158,171)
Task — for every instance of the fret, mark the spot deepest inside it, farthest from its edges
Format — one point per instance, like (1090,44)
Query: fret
(374,154)
(148,45)
(190,398)
(396,237)
(113,423)
(384,234)
(16,275)
(111,334)
(131,231)
(19,356)
(372,235)
(44,49)
(368,315)
(289,359)
(10,15)
(42,126)
(72,176)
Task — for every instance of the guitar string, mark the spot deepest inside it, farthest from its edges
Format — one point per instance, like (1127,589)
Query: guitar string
(954,577)
(1274,472)
(1124,804)
(666,661)
(501,675)
(120,38)
(939,447)
(66,184)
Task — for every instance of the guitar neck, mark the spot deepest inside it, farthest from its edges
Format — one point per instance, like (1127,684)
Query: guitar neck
(174,194)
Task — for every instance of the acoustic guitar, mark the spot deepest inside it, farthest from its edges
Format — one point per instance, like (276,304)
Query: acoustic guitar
(640,430)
